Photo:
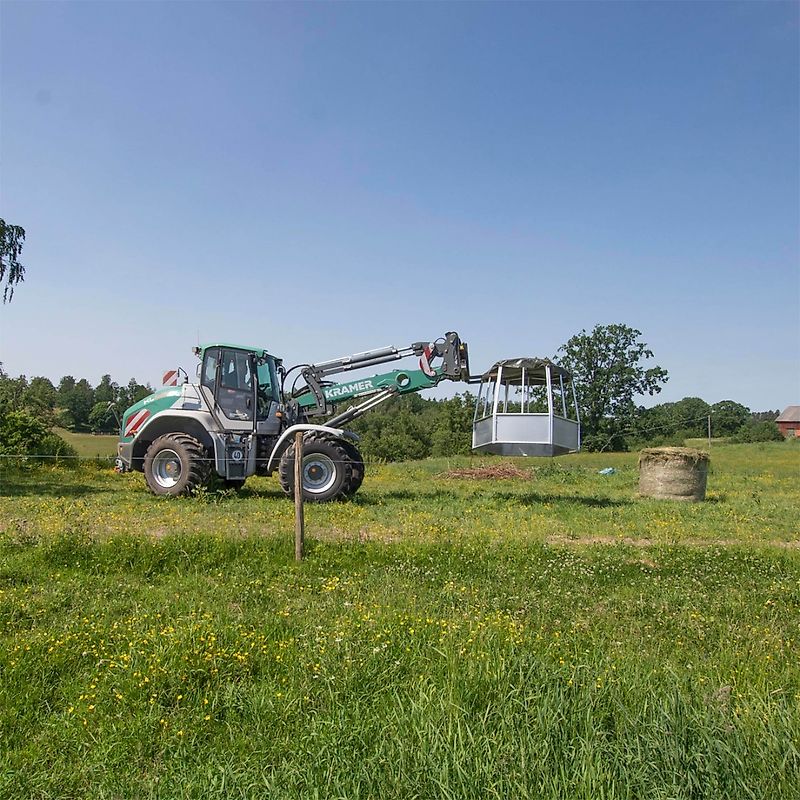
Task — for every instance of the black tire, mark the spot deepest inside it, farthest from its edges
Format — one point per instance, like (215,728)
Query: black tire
(358,469)
(328,469)
(176,464)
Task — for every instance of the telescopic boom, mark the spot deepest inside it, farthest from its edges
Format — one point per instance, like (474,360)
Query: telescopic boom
(317,396)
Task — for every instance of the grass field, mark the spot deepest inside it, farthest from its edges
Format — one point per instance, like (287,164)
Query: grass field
(89,445)
(549,637)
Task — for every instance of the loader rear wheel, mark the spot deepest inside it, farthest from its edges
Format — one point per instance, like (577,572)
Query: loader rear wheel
(328,469)
(176,464)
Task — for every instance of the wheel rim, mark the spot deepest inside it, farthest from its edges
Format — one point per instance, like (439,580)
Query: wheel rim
(319,473)
(167,468)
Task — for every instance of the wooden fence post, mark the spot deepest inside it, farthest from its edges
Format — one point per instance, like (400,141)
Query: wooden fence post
(299,516)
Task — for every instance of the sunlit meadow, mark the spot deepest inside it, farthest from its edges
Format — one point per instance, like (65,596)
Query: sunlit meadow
(552,636)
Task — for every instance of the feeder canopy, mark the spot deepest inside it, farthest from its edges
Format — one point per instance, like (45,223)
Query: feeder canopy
(535,371)
(526,407)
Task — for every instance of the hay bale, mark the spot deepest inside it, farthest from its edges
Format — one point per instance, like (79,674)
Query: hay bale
(673,473)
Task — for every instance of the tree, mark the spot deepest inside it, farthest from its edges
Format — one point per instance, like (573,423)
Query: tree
(77,398)
(672,423)
(24,436)
(82,403)
(106,391)
(12,391)
(452,434)
(691,416)
(101,419)
(65,387)
(607,368)
(132,393)
(728,417)
(398,431)
(765,416)
(765,430)
(11,239)
(41,396)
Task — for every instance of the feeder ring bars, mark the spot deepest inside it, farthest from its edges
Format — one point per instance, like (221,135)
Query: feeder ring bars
(526,407)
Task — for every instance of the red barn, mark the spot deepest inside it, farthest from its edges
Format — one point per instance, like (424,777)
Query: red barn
(789,421)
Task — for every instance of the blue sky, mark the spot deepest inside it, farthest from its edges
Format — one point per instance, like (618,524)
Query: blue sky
(322,179)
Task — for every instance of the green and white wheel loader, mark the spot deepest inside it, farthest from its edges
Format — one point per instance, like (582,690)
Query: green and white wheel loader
(241,417)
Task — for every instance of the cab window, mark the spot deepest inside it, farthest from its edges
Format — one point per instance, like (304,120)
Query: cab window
(210,361)
(235,392)
(236,371)
(267,386)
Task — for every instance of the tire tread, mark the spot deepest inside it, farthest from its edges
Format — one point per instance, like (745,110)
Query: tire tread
(199,471)
(348,458)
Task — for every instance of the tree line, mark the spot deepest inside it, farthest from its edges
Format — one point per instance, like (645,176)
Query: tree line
(30,409)
(73,404)
(414,427)
(610,364)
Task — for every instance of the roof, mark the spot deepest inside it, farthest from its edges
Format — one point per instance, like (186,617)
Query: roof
(789,414)
(534,370)
(203,347)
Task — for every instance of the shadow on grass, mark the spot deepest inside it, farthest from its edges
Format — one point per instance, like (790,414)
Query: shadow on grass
(373,498)
(720,497)
(565,499)
(19,486)
(222,495)
(537,499)
(512,498)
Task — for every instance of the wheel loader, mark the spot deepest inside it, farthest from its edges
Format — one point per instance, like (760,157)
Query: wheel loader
(240,417)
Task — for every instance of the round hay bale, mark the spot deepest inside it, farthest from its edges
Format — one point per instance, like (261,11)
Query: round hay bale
(673,473)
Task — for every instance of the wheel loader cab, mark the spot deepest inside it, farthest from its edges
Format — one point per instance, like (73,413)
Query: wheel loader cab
(229,374)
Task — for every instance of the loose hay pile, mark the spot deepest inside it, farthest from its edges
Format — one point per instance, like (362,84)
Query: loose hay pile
(673,473)
(486,473)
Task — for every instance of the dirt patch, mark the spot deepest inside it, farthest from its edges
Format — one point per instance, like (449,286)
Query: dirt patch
(489,473)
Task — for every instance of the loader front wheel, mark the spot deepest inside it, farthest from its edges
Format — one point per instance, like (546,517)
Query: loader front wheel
(357,469)
(176,464)
(327,470)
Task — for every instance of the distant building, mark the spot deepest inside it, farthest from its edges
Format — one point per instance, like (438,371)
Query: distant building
(789,421)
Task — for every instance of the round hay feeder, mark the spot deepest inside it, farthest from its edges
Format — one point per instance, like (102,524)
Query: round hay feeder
(673,473)
(526,407)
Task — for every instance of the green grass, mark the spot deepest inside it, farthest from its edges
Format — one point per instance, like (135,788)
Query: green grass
(90,445)
(556,637)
